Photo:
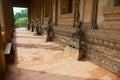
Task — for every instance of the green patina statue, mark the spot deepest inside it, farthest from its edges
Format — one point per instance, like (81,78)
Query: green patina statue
(37,28)
(78,32)
(49,30)
(28,27)
(32,26)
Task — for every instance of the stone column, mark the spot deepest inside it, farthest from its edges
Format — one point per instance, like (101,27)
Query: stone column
(51,11)
(59,10)
(39,10)
(43,11)
(76,12)
(7,20)
(2,57)
(94,15)
(29,12)
(31,6)
(56,11)
(0,45)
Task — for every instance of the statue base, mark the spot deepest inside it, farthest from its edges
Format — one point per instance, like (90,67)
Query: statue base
(74,53)
(72,49)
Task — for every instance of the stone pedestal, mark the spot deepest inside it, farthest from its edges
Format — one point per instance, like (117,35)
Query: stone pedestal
(31,28)
(73,49)
(37,31)
(28,27)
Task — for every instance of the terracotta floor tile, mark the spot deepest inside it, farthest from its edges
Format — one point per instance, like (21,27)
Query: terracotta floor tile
(40,60)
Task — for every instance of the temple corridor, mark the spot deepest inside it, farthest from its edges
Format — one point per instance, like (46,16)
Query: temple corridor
(40,60)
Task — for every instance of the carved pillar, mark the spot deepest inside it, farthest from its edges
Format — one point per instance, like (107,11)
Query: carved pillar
(43,11)
(51,11)
(56,12)
(0,46)
(7,18)
(37,8)
(76,13)
(83,12)
(59,10)
(39,11)
(0,36)
(94,15)
(33,9)
(29,12)
(2,59)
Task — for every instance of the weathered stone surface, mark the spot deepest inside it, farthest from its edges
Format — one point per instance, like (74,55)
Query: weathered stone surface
(38,60)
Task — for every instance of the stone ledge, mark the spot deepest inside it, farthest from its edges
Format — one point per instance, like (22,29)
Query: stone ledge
(109,35)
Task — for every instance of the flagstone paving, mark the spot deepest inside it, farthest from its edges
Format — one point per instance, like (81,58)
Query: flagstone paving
(40,60)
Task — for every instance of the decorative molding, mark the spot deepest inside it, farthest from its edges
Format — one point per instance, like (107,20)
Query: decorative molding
(94,14)
(114,17)
(102,42)
(63,33)
(64,30)
(104,61)
(111,10)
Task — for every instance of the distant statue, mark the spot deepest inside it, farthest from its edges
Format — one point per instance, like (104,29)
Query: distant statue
(49,29)
(28,27)
(78,32)
(32,26)
(37,28)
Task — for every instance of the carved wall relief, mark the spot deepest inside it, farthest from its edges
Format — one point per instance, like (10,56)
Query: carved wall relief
(103,60)
(103,48)
(111,18)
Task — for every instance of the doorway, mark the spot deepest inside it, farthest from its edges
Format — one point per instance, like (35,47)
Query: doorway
(20,17)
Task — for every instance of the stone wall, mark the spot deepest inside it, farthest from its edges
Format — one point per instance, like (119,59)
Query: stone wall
(103,44)
(103,48)
(101,26)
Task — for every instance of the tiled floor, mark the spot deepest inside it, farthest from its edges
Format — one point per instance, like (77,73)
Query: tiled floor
(38,60)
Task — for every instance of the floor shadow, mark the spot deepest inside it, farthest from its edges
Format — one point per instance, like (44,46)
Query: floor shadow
(41,46)
(15,73)
(28,37)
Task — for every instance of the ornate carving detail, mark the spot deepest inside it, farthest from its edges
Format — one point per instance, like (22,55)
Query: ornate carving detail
(63,33)
(103,42)
(49,29)
(104,61)
(112,17)
(111,10)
